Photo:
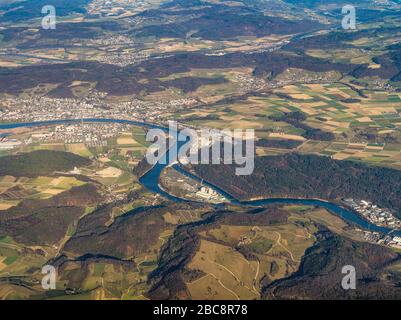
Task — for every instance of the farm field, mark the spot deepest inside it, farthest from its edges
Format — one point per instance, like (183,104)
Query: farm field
(13,190)
(366,124)
(14,260)
(228,273)
(77,103)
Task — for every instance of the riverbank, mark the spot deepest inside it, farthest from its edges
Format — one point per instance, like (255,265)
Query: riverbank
(150,180)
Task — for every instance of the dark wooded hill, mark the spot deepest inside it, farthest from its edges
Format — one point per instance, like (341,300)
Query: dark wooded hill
(309,176)
(40,163)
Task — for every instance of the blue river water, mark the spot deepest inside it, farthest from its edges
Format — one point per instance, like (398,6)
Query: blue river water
(150,180)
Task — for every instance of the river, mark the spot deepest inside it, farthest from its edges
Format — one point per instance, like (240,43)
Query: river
(150,180)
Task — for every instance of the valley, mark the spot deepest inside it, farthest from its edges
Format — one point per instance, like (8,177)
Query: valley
(76,191)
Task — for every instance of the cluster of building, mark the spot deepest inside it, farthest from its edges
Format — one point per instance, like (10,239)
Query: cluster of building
(374,214)
(7,51)
(268,47)
(378,238)
(261,47)
(122,58)
(39,109)
(110,8)
(302,76)
(185,187)
(381,84)
(251,84)
(91,134)
(111,41)
(248,83)
(209,194)
(9,144)
(248,238)
(119,50)
(370,236)
(45,108)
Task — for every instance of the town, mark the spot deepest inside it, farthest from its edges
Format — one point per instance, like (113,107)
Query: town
(378,238)
(92,135)
(374,214)
(45,108)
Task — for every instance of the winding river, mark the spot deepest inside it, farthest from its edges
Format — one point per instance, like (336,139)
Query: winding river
(151,179)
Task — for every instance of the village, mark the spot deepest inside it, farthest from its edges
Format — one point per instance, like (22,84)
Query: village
(379,217)
(95,106)
(374,214)
(91,134)
(378,238)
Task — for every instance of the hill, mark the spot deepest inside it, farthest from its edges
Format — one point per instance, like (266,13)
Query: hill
(320,273)
(308,176)
(40,163)
(46,221)
(270,253)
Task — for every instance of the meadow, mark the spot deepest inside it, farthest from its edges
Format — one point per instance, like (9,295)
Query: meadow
(365,124)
